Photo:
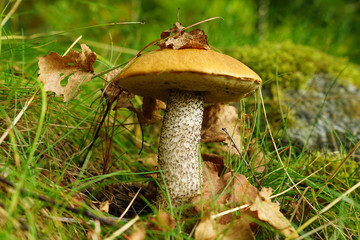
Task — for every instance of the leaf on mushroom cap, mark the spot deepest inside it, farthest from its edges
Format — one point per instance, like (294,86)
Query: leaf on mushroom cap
(77,67)
(195,39)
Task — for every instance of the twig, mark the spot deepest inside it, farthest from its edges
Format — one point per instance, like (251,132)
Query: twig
(242,157)
(52,202)
(130,204)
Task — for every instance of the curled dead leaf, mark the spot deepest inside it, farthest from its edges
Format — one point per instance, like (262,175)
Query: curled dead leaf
(150,109)
(64,75)
(104,206)
(265,210)
(182,40)
(139,232)
(235,189)
(209,229)
(231,190)
(161,222)
(219,116)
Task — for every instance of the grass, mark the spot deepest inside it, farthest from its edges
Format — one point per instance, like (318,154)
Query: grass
(47,151)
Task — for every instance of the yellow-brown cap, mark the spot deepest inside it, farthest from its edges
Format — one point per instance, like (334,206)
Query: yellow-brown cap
(221,77)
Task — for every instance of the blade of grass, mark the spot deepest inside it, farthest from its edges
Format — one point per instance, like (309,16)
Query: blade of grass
(123,228)
(10,13)
(325,209)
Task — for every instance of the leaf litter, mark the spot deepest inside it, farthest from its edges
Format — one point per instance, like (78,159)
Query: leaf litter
(231,190)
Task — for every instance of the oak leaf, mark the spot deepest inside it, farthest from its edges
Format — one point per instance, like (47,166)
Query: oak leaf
(64,75)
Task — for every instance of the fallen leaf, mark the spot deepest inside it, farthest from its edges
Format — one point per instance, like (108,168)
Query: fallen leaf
(64,75)
(269,212)
(235,189)
(139,232)
(214,158)
(181,40)
(219,116)
(206,229)
(161,222)
(242,192)
(236,229)
(149,113)
(230,190)
(104,206)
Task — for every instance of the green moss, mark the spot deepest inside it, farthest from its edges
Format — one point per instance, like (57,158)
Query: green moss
(296,64)
(320,161)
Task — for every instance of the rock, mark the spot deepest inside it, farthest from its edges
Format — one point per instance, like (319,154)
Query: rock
(325,116)
(304,76)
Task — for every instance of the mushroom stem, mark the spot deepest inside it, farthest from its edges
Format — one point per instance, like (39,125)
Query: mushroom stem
(179,145)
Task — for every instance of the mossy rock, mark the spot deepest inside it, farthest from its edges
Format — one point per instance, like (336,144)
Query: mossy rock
(319,93)
(295,64)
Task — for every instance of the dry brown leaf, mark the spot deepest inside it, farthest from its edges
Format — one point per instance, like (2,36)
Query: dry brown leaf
(237,229)
(239,191)
(161,222)
(214,158)
(220,116)
(104,206)
(180,39)
(76,67)
(216,178)
(139,232)
(242,192)
(206,229)
(150,161)
(269,212)
(150,109)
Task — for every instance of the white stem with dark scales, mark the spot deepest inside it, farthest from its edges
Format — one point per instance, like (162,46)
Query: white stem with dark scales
(179,145)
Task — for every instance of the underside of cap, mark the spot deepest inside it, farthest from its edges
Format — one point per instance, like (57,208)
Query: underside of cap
(221,78)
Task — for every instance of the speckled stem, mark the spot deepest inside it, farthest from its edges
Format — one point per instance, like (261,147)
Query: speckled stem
(179,145)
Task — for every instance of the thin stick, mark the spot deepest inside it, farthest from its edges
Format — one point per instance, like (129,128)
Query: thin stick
(242,157)
(128,207)
(357,145)
(72,45)
(206,20)
(229,211)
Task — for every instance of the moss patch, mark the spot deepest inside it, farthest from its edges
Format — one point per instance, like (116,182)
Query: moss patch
(296,64)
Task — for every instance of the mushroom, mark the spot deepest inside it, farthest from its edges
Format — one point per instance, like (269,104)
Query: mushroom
(186,79)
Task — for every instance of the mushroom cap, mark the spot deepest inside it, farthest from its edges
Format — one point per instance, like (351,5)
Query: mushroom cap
(221,78)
